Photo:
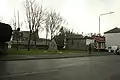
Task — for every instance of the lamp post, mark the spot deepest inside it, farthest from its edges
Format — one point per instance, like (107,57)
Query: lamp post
(102,15)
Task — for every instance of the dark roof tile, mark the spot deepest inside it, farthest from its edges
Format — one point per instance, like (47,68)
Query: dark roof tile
(114,30)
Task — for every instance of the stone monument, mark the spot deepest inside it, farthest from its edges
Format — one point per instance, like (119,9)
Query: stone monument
(53,46)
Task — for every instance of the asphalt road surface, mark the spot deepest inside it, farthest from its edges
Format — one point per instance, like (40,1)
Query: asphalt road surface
(82,68)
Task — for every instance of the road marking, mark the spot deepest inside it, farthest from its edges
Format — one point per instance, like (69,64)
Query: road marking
(42,72)
(51,70)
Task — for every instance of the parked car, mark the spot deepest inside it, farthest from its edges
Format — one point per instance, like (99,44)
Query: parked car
(114,49)
(118,52)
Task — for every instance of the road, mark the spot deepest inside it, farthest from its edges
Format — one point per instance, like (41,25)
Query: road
(82,68)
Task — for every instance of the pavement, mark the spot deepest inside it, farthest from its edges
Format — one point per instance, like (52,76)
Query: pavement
(80,68)
(51,56)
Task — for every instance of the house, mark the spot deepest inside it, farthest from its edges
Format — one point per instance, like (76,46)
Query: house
(78,42)
(23,36)
(112,37)
(23,40)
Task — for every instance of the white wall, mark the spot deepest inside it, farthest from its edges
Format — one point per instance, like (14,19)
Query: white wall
(88,41)
(112,39)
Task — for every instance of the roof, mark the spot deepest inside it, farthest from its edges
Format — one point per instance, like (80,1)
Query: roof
(79,38)
(114,30)
(74,36)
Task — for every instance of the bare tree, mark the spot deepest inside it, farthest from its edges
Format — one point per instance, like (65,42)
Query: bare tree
(54,22)
(16,33)
(35,17)
(47,29)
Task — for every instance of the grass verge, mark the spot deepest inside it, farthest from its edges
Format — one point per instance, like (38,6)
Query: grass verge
(38,52)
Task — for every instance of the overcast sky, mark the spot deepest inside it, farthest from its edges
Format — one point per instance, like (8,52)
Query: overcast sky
(82,15)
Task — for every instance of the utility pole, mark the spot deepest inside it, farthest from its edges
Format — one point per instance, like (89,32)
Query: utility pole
(102,15)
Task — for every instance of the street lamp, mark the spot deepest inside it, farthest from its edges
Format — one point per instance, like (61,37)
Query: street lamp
(102,15)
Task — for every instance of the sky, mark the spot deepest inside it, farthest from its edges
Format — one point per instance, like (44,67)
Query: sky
(81,15)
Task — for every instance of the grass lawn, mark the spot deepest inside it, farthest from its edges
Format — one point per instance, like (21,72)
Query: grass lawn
(34,52)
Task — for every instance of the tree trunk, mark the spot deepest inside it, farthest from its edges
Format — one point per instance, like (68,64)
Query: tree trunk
(17,44)
(51,36)
(17,37)
(46,38)
(46,41)
(35,40)
(29,40)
